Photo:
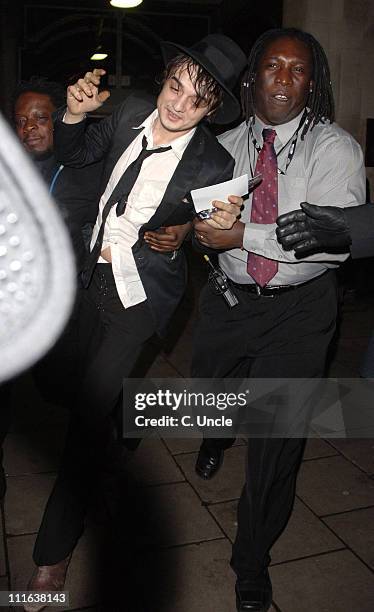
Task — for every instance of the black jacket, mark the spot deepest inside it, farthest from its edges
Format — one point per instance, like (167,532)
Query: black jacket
(203,163)
(77,193)
(361,225)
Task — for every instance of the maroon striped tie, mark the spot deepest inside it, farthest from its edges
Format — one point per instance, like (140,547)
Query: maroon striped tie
(265,207)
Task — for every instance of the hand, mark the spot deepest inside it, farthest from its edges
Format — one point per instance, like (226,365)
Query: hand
(218,238)
(227,213)
(167,238)
(314,229)
(84,96)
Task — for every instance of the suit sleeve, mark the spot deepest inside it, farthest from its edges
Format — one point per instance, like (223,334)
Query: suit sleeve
(225,173)
(361,225)
(77,145)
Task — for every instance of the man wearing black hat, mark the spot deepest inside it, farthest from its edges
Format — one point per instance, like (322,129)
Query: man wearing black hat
(152,160)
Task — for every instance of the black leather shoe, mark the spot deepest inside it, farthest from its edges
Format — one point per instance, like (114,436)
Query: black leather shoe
(209,461)
(253,600)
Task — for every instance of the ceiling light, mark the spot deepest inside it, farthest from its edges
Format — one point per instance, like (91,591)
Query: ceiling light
(99,56)
(125,3)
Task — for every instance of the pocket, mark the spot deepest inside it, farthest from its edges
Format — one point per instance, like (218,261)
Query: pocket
(292,193)
(171,258)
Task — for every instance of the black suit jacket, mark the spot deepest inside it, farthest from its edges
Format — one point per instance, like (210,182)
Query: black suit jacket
(203,163)
(361,224)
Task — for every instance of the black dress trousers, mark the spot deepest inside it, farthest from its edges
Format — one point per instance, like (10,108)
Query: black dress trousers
(286,336)
(110,340)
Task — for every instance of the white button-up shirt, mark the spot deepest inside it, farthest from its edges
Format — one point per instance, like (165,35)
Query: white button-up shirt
(327,169)
(121,233)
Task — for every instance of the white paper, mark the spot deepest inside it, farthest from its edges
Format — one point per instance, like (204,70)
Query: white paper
(203,198)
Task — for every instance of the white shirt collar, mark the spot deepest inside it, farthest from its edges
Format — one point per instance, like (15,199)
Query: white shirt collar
(178,145)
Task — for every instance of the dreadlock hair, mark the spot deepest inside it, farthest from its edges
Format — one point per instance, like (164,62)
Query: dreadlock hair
(208,91)
(41,85)
(321,99)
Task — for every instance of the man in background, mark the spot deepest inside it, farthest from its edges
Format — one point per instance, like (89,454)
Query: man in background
(286,316)
(75,191)
(76,194)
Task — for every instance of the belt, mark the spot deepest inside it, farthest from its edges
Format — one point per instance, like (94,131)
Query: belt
(273,291)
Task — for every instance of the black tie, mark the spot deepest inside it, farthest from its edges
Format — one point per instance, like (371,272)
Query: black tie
(119,194)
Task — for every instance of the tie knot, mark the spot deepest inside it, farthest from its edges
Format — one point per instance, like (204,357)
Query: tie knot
(144,153)
(269,135)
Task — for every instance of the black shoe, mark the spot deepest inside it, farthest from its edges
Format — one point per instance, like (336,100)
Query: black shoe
(255,600)
(209,461)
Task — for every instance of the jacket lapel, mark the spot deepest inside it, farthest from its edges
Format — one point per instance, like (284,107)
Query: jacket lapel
(134,112)
(118,190)
(127,135)
(185,175)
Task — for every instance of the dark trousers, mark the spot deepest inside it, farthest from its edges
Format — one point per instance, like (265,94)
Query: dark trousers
(263,337)
(56,374)
(110,338)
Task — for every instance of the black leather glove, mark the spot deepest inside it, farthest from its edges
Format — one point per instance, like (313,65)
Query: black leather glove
(314,229)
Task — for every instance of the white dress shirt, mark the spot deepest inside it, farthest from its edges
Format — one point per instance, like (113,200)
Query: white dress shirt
(327,169)
(121,233)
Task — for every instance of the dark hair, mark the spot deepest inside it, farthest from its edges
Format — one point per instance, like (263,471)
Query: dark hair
(321,99)
(207,89)
(41,85)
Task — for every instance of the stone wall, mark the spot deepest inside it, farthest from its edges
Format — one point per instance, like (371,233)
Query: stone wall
(345,28)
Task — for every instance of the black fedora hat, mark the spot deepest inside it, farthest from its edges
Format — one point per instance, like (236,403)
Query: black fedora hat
(223,59)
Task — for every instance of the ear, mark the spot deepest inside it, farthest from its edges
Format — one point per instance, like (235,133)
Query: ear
(311,86)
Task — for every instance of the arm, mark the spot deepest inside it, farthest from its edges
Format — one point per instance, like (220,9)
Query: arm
(74,145)
(220,240)
(361,225)
(314,229)
(84,97)
(219,168)
(173,236)
(169,238)
(335,174)
(328,228)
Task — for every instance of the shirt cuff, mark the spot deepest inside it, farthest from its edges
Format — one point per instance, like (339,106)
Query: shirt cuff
(83,118)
